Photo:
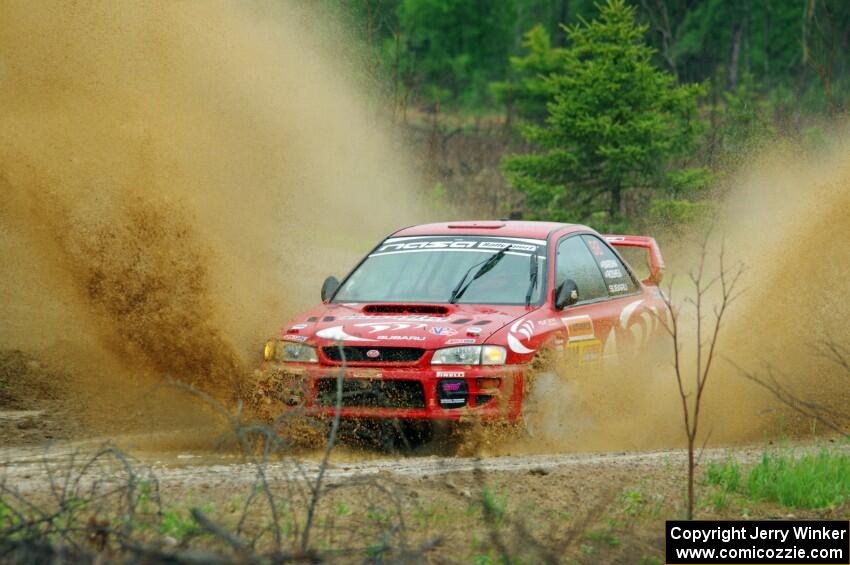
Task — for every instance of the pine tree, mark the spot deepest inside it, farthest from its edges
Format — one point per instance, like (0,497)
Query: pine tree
(614,123)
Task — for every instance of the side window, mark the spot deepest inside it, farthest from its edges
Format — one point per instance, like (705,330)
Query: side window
(574,261)
(618,280)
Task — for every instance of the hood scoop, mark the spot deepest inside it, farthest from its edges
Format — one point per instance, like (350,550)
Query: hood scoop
(406,309)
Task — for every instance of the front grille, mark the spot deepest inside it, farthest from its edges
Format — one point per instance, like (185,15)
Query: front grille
(355,354)
(371,393)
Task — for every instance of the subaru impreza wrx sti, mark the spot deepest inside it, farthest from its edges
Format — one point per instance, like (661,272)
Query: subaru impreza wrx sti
(443,321)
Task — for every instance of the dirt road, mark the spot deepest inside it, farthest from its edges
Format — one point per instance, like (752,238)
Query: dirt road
(31,468)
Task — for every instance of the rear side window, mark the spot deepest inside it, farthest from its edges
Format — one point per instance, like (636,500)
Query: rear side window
(574,261)
(618,280)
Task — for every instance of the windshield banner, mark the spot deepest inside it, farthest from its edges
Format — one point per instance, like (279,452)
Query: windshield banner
(518,246)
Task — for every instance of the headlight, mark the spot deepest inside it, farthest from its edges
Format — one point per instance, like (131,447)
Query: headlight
(493,355)
(289,351)
(298,352)
(470,355)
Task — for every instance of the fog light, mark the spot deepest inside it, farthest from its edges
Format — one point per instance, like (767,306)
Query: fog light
(482,399)
(493,355)
(489,383)
(268,350)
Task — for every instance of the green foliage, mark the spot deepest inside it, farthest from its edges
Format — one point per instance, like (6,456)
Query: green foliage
(637,505)
(494,505)
(604,537)
(617,140)
(378,515)
(483,554)
(677,215)
(726,475)
(8,518)
(720,500)
(634,502)
(342,509)
(145,498)
(820,480)
(526,92)
(179,523)
(459,46)
(798,52)
(743,123)
(689,181)
(614,123)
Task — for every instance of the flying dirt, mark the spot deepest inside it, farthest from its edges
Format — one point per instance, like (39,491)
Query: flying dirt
(783,218)
(175,179)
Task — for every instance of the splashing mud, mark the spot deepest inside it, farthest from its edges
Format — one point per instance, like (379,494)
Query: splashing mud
(785,219)
(176,179)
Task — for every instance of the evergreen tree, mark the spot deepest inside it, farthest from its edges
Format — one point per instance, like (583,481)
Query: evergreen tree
(615,122)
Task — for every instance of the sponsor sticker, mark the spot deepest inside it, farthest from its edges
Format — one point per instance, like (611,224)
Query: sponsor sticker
(450,374)
(403,337)
(608,264)
(473,330)
(579,328)
(293,337)
(298,327)
(443,330)
(500,245)
(456,244)
(595,247)
(375,327)
(452,393)
(460,340)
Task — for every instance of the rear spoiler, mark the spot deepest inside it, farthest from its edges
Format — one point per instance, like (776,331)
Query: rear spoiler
(656,261)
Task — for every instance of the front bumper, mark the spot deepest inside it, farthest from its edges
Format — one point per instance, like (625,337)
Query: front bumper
(433,393)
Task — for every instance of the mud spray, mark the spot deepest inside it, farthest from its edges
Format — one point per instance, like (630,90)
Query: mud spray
(784,218)
(176,180)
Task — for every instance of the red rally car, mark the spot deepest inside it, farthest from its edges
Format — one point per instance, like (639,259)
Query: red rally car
(442,321)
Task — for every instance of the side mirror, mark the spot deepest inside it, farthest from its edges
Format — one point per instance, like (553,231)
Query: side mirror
(329,287)
(566,294)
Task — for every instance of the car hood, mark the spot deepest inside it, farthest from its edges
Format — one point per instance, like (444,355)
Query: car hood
(424,326)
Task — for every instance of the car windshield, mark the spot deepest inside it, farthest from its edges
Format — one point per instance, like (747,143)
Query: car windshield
(430,268)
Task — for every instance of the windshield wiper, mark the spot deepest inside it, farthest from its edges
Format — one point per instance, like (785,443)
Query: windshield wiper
(485,267)
(532,283)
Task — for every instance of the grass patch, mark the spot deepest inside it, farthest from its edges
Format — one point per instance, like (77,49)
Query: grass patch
(604,537)
(819,480)
(726,475)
